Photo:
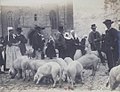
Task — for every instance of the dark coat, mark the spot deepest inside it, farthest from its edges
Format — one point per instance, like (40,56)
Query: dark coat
(50,50)
(111,41)
(11,40)
(93,42)
(1,49)
(23,41)
(38,42)
(70,48)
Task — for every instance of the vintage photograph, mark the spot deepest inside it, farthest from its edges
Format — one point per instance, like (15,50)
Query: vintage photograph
(59,45)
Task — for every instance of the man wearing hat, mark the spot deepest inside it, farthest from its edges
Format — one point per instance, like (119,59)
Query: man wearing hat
(38,41)
(94,40)
(111,44)
(60,43)
(22,40)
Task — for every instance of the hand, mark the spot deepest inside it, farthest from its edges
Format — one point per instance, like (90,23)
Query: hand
(95,39)
(111,48)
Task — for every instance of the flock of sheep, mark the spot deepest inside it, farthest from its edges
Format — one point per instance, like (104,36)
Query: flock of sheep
(59,70)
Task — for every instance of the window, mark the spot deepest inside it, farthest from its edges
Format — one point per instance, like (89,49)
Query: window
(10,18)
(35,17)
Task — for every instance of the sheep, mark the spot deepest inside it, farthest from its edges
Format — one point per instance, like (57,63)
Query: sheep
(114,77)
(74,69)
(50,68)
(89,61)
(63,65)
(78,54)
(97,54)
(68,60)
(19,66)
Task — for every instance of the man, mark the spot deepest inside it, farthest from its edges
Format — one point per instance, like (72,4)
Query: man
(60,43)
(38,41)
(22,40)
(94,40)
(111,44)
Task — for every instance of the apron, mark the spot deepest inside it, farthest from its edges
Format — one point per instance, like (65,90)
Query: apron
(12,53)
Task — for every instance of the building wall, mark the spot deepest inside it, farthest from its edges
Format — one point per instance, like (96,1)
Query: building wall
(24,16)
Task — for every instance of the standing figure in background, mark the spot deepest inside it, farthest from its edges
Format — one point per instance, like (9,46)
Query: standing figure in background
(95,41)
(111,44)
(12,48)
(60,43)
(21,38)
(70,46)
(2,59)
(50,50)
(38,42)
(83,45)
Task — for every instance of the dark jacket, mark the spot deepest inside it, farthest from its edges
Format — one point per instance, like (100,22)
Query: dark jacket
(70,48)
(61,41)
(37,41)
(50,50)
(92,37)
(111,41)
(23,41)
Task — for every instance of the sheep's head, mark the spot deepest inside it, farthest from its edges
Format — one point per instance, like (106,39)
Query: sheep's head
(12,73)
(36,77)
(64,75)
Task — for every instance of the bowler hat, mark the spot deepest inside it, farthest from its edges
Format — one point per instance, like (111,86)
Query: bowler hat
(60,29)
(108,21)
(39,28)
(19,29)
(93,26)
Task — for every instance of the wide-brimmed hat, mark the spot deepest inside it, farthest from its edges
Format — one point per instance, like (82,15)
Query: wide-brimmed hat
(108,21)
(39,28)
(93,26)
(19,29)
(61,29)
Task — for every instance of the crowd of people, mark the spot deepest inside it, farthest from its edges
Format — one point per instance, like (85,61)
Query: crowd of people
(13,45)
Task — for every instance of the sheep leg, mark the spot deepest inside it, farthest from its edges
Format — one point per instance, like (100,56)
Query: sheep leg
(54,76)
(81,77)
(112,83)
(24,75)
(93,71)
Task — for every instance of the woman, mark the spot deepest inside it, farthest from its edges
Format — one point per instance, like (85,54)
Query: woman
(70,50)
(12,49)
(50,50)
(1,55)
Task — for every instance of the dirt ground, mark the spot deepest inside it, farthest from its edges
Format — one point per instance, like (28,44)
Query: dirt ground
(91,84)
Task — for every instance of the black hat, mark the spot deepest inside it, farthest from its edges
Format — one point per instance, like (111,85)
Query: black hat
(93,26)
(108,21)
(39,28)
(19,29)
(60,28)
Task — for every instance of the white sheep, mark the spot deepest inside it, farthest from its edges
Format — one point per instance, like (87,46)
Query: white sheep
(114,77)
(50,68)
(78,54)
(68,60)
(19,66)
(74,69)
(89,61)
(97,54)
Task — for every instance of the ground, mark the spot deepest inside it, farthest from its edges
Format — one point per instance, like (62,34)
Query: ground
(95,83)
